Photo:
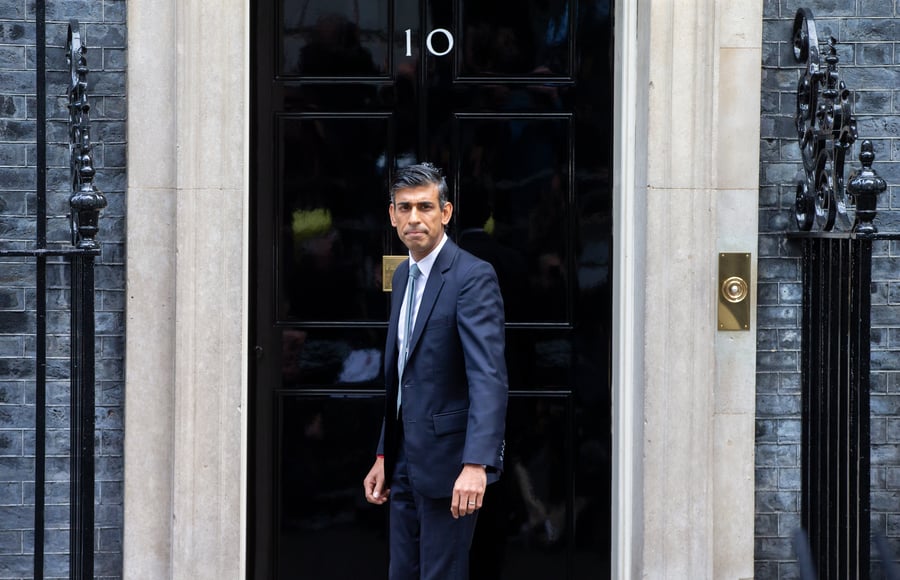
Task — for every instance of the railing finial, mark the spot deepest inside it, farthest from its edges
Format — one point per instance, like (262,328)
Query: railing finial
(865,185)
(86,200)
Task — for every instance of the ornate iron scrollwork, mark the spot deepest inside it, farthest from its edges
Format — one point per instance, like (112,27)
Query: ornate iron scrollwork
(86,200)
(826,129)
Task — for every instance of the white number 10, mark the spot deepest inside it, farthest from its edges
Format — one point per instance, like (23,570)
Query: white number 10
(428,44)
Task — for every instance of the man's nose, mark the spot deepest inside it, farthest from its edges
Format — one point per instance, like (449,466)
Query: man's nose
(414,215)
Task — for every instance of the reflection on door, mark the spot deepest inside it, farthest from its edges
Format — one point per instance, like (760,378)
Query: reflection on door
(513,100)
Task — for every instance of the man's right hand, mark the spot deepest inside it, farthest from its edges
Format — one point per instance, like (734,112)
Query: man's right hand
(373,484)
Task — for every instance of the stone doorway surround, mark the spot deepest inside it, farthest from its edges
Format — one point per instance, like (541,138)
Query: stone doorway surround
(187,246)
(688,79)
(684,393)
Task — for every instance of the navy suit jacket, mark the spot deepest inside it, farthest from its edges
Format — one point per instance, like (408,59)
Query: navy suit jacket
(454,383)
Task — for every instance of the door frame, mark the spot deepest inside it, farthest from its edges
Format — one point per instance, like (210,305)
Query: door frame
(629,228)
(183,516)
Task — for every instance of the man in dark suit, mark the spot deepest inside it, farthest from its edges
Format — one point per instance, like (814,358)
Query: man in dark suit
(442,438)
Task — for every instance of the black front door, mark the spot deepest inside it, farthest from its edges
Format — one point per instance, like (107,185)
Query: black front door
(513,99)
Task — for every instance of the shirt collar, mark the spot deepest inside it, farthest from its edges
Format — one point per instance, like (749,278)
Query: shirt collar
(427,262)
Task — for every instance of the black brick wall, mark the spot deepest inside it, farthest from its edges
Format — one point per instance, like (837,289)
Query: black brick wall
(104,32)
(867,32)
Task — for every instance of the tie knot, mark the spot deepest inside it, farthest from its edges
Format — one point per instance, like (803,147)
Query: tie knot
(414,271)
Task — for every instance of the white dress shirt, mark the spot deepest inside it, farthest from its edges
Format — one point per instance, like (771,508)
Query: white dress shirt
(425,265)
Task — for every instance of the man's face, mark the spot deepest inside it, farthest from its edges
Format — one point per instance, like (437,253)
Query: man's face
(419,218)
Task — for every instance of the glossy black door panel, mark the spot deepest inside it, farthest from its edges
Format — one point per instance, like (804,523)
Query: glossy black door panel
(512,99)
(325,527)
(338,38)
(513,209)
(526,524)
(337,358)
(331,217)
(516,38)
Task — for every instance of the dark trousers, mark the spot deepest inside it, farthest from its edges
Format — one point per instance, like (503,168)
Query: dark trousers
(426,543)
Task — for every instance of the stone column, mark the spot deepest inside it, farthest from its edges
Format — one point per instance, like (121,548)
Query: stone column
(150,291)
(736,155)
(702,138)
(187,290)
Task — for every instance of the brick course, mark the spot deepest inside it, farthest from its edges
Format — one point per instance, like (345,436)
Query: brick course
(104,32)
(866,31)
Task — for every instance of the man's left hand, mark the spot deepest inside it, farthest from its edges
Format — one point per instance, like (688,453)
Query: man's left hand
(468,491)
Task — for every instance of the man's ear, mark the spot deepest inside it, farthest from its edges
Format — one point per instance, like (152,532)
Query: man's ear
(446,213)
(391,213)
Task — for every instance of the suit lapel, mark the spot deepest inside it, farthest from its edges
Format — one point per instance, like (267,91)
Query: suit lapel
(432,290)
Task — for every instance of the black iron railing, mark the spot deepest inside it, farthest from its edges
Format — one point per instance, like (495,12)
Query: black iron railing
(837,271)
(837,276)
(85,203)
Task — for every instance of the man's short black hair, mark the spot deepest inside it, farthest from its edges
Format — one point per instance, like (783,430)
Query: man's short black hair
(421,175)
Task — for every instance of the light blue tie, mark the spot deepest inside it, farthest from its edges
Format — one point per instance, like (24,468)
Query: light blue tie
(407,337)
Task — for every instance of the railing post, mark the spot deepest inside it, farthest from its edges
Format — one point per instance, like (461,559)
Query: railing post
(81,538)
(40,283)
(835,441)
(85,204)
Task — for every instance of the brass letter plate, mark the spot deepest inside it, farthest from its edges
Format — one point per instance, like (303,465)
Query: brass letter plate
(388,265)
(734,291)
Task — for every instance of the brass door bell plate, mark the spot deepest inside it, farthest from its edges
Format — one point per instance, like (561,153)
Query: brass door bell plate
(734,291)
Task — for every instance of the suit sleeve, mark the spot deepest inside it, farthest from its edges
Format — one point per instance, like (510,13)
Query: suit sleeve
(481,329)
(380,449)
(399,283)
